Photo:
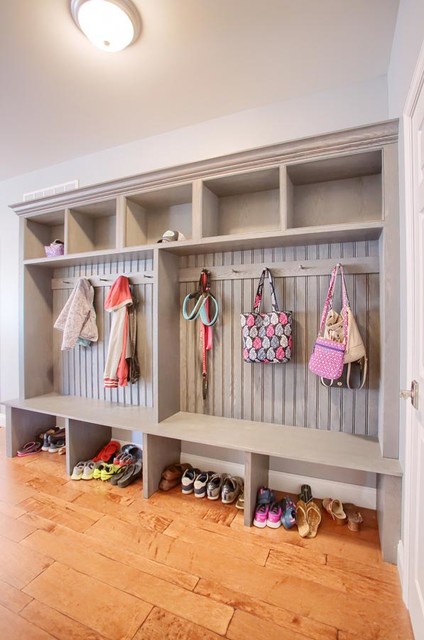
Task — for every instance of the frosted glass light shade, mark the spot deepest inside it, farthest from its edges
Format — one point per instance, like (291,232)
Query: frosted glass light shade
(111,25)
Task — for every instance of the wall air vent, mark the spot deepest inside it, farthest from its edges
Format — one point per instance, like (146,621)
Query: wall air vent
(51,191)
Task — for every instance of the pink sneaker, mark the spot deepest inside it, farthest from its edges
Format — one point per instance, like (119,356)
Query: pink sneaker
(261,515)
(274,516)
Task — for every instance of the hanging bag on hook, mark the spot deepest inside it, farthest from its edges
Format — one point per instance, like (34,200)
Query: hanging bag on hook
(339,355)
(267,337)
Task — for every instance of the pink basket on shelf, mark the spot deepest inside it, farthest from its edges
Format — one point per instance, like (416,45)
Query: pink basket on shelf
(56,248)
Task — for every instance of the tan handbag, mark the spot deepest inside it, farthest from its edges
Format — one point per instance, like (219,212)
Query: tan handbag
(355,348)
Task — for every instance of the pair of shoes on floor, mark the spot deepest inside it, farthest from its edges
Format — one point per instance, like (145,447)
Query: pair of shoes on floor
(83,470)
(129,454)
(212,485)
(54,442)
(108,452)
(171,475)
(127,474)
(264,515)
(29,449)
(308,518)
(341,514)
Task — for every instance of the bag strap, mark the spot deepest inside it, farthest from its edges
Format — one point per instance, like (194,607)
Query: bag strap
(328,304)
(258,298)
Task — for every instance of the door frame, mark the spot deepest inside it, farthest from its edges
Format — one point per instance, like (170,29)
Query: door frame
(407,325)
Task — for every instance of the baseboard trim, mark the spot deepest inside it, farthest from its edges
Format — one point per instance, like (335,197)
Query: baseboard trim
(365,497)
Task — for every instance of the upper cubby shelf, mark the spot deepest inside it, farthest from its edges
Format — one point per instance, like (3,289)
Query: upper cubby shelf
(305,192)
(149,214)
(341,190)
(92,227)
(241,203)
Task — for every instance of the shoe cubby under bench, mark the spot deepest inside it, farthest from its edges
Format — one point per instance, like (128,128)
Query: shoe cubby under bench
(89,425)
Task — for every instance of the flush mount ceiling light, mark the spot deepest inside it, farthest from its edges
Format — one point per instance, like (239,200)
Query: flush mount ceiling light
(111,25)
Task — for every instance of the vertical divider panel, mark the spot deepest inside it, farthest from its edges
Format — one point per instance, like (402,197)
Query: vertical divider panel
(158,452)
(286,198)
(197,211)
(121,206)
(256,470)
(166,336)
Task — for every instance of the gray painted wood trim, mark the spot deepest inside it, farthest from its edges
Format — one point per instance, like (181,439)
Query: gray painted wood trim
(389,500)
(256,468)
(23,426)
(84,440)
(158,453)
(347,141)
(293,269)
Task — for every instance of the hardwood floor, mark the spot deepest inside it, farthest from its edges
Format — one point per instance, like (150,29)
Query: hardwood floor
(89,561)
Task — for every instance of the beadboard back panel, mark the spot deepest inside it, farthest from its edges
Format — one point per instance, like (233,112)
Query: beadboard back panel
(281,393)
(79,371)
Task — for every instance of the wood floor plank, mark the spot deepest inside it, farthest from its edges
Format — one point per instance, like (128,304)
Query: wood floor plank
(215,539)
(277,615)
(14,529)
(79,552)
(61,512)
(337,579)
(188,506)
(88,601)
(19,565)
(60,626)
(161,625)
(383,572)
(245,625)
(13,627)
(138,514)
(12,598)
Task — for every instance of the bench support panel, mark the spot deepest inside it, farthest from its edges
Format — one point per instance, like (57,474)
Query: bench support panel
(158,453)
(389,501)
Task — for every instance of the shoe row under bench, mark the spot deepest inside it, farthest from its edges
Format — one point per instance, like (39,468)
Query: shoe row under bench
(89,425)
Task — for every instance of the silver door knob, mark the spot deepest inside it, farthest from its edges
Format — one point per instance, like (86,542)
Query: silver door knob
(411,394)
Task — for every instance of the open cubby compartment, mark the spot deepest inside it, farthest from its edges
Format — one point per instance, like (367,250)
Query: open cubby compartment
(92,227)
(245,203)
(334,191)
(149,214)
(40,231)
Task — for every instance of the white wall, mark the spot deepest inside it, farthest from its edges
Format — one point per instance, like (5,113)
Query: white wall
(343,108)
(407,42)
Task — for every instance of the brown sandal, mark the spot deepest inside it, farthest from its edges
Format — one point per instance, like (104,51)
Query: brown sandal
(313,513)
(354,518)
(302,519)
(335,508)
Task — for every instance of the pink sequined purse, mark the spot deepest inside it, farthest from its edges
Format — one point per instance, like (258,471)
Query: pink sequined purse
(328,355)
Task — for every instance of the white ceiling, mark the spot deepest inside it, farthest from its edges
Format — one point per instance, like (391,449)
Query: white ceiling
(195,60)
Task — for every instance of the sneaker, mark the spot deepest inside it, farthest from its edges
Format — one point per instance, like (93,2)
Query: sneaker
(265,496)
(187,480)
(261,515)
(54,446)
(200,483)
(240,502)
(46,442)
(97,471)
(78,470)
(231,489)
(108,470)
(88,471)
(288,515)
(274,516)
(214,486)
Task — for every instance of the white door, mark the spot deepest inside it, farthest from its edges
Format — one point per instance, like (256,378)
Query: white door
(414,454)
